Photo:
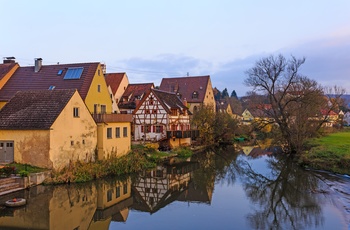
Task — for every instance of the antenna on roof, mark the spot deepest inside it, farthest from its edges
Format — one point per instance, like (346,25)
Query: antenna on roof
(188,74)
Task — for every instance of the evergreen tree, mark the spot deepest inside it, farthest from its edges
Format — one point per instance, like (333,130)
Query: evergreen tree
(234,94)
(224,93)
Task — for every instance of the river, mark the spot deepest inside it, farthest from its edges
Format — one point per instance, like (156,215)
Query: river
(223,189)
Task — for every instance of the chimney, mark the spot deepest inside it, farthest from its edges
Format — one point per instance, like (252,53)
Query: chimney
(9,60)
(185,102)
(38,63)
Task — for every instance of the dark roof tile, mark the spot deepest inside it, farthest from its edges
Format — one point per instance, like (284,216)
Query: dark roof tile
(34,110)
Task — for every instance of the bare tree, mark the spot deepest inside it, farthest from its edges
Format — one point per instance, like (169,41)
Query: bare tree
(297,104)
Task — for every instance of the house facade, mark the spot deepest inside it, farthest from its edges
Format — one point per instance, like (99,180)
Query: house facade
(47,128)
(196,91)
(117,84)
(87,78)
(132,96)
(162,115)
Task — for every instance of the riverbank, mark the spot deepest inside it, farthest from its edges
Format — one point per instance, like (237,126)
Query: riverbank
(140,158)
(330,153)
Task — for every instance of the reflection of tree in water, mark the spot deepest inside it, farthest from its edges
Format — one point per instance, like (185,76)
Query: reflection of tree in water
(281,196)
(215,165)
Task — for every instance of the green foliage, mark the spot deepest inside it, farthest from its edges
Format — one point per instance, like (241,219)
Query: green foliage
(23,173)
(203,120)
(183,152)
(331,152)
(8,170)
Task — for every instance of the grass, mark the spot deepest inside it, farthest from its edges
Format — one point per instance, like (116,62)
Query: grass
(331,153)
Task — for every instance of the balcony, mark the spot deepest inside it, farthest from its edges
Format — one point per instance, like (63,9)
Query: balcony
(183,134)
(113,117)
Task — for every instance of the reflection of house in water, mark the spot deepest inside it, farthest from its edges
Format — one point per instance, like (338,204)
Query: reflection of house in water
(113,202)
(257,151)
(59,207)
(161,186)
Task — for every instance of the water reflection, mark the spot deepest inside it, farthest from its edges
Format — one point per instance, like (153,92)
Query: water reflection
(280,195)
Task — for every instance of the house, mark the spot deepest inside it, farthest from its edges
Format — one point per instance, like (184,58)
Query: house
(7,69)
(47,128)
(114,135)
(87,78)
(117,84)
(330,117)
(247,117)
(132,95)
(223,107)
(346,119)
(162,115)
(197,91)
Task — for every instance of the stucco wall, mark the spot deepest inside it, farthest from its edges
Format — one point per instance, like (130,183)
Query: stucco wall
(30,146)
(99,98)
(73,138)
(114,146)
(179,142)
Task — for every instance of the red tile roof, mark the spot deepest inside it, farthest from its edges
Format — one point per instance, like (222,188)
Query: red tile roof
(132,93)
(186,86)
(26,79)
(34,110)
(5,68)
(114,80)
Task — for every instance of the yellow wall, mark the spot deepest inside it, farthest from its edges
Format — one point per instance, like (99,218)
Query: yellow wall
(179,142)
(72,207)
(99,98)
(121,89)
(209,96)
(67,129)
(8,75)
(30,146)
(2,103)
(114,146)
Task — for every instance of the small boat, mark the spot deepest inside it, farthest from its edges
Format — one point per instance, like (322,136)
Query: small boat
(15,202)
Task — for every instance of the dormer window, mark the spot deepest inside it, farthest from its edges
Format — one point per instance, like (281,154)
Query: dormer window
(178,95)
(195,94)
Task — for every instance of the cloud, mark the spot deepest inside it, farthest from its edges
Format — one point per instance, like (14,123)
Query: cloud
(327,61)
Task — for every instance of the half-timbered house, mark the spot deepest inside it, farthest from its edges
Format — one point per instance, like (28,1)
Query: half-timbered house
(162,115)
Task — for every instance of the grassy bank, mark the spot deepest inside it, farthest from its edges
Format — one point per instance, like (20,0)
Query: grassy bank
(140,158)
(331,153)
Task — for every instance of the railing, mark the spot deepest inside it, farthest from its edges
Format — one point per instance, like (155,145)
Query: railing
(112,117)
(182,134)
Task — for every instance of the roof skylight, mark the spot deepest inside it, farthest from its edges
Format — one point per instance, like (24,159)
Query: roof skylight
(73,73)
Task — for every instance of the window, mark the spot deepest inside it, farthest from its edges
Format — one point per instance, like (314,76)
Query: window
(9,144)
(109,133)
(103,109)
(158,128)
(109,195)
(71,143)
(154,111)
(195,94)
(83,142)
(95,108)
(59,73)
(75,112)
(145,128)
(117,132)
(98,88)
(98,72)
(147,111)
(73,73)
(117,194)
(173,112)
(51,87)
(125,189)
(125,131)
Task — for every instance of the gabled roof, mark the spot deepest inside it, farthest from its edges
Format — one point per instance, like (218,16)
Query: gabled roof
(34,110)
(113,80)
(5,68)
(221,105)
(132,93)
(25,78)
(169,101)
(186,86)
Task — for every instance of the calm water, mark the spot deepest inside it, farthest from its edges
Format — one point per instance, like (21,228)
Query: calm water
(221,190)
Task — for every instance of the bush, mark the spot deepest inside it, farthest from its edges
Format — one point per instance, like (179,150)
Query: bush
(8,170)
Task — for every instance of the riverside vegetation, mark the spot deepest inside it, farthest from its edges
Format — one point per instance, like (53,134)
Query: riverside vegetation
(140,158)
(330,153)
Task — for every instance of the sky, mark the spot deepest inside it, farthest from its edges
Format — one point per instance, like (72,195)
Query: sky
(155,39)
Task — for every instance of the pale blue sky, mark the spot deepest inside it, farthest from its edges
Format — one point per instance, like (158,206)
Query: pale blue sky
(154,39)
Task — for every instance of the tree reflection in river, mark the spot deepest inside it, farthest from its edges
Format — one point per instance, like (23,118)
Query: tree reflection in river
(281,194)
